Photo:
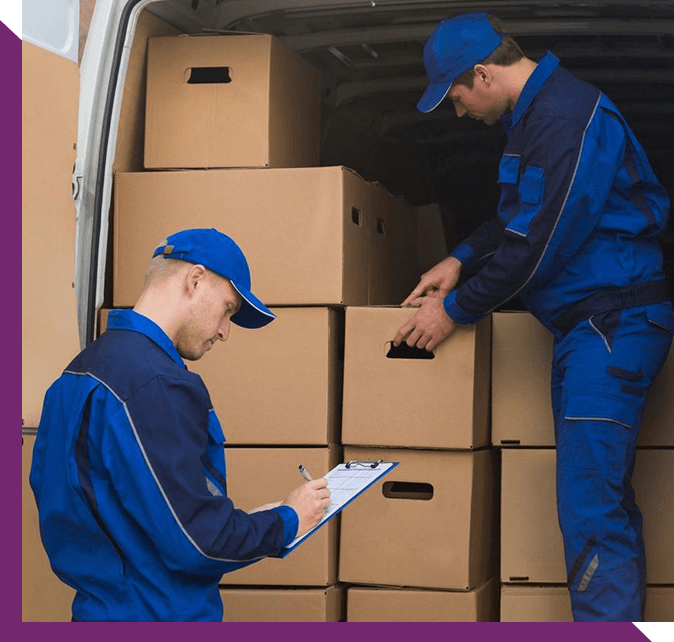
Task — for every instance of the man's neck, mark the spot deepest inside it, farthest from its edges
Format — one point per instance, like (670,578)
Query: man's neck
(517,76)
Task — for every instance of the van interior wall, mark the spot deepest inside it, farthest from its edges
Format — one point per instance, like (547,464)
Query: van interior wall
(131,132)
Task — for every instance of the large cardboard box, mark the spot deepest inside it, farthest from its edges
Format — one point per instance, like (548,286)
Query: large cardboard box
(429,523)
(389,604)
(49,336)
(552,604)
(531,542)
(431,235)
(441,402)
(44,598)
(280,384)
(521,366)
(283,605)
(257,476)
(230,100)
(312,236)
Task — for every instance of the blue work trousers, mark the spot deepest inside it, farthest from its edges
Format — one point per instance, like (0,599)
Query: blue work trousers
(602,371)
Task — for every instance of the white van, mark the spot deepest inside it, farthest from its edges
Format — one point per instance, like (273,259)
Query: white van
(85,122)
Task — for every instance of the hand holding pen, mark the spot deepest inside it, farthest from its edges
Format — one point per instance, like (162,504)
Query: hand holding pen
(309,501)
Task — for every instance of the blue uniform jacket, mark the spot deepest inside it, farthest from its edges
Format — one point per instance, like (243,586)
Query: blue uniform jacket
(580,208)
(129,477)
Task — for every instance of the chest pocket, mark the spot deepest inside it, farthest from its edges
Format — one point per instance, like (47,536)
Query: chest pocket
(508,171)
(531,191)
(214,458)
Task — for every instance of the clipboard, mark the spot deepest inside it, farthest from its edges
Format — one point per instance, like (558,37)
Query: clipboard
(346,482)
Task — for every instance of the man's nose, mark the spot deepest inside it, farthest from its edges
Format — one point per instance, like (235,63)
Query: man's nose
(223,330)
(460,110)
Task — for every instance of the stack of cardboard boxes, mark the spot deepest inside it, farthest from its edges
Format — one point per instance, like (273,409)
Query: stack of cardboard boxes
(532,559)
(418,546)
(231,137)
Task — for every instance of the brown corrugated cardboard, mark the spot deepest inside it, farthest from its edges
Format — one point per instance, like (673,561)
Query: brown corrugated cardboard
(309,234)
(257,476)
(431,403)
(521,365)
(531,542)
(262,110)
(429,523)
(280,384)
(49,337)
(431,237)
(552,604)
(44,598)
(283,605)
(379,604)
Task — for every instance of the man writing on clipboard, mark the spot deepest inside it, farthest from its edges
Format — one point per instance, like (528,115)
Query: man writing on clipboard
(128,468)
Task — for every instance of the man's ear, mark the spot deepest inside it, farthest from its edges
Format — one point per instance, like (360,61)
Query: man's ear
(194,277)
(483,74)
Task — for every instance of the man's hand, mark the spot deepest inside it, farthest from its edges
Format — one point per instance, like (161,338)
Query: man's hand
(309,501)
(428,327)
(438,282)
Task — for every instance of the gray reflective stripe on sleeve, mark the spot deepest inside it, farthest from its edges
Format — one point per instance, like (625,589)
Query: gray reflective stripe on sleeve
(589,572)
(156,479)
(212,488)
(601,334)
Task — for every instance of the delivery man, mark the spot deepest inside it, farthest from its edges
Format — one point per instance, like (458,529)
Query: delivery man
(575,237)
(128,467)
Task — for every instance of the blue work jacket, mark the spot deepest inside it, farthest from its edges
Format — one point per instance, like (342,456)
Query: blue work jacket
(129,477)
(580,208)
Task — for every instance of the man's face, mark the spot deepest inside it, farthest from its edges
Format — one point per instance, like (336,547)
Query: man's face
(208,317)
(478,103)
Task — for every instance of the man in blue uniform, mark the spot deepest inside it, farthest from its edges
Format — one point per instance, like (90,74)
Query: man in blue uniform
(576,238)
(128,467)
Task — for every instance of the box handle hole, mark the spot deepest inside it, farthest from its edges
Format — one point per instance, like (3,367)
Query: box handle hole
(381,226)
(407,490)
(403,351)
(357,216)
(208,76)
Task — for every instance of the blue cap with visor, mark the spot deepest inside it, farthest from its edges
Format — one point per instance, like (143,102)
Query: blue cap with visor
(455,46)
(220,254)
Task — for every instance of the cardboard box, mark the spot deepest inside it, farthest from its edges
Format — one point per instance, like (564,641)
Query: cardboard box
(521,366)
(283,605)
(379,604)
(431,236)
(280,384)
(230,100)
(429,523)
(257,476)
(531,542)
(553,604)
(441,402)
(49,335)
(44,598)
(312,236)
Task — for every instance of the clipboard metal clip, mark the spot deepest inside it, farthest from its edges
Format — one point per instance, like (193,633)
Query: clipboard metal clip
(366,463)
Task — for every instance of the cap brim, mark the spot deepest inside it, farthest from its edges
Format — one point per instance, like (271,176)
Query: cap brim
(252,313)
(433,96)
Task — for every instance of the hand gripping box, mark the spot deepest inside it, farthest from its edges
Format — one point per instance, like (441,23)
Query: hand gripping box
(394,397)
(230,100)
(257,476)
(521,366)
(312,236)
(531,543)
(430,523)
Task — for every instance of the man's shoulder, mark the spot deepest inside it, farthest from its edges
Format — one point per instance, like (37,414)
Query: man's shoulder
(124,361)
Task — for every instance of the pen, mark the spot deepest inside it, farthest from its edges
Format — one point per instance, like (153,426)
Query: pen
(305,473)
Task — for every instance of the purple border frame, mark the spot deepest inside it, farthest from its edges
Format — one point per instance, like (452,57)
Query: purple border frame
(10,51)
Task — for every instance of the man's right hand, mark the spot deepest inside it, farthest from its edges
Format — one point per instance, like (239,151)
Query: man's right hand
(438,282)
(309,501)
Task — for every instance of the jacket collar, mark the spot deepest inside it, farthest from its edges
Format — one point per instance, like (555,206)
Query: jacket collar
(546,66)
(131,320)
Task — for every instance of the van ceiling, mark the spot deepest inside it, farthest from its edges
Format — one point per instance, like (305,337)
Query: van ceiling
(370,55)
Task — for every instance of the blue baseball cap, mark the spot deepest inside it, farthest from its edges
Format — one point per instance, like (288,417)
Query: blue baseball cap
(455,46)
(220,254)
